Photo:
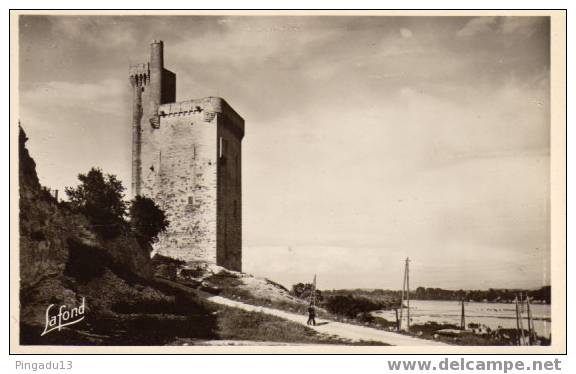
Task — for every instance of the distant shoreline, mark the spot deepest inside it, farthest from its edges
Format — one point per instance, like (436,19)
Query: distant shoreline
(537,302)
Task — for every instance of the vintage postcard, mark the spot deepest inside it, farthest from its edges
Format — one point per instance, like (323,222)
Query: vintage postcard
(288,182)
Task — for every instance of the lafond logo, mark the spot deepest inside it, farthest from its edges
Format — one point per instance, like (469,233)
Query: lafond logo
(65,317)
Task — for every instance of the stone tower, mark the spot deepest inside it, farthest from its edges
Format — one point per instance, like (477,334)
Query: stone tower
(186,156)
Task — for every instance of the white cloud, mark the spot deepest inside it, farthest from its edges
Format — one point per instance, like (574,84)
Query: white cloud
(519,25)
(477,26)
(99,32)
(252,41)
(524,26)
(103,96)
(405,33)
(75,126)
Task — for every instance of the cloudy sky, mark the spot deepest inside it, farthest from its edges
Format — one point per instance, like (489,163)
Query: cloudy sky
(368,139)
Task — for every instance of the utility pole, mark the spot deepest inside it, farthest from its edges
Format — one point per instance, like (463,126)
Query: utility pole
(313,292)
(407,294)
(517,321)
(402,300)
(462,318)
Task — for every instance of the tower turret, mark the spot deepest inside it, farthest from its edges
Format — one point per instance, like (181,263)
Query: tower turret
(139,79)
(156,72)
(152,86)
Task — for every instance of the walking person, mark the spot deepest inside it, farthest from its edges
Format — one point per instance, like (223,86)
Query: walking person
(311,316)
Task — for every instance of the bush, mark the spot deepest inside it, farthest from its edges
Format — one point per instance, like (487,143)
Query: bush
(147,220)
(350,306)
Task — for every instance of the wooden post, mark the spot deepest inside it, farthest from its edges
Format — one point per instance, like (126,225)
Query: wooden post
(517,321)
(522,319)
(407,294)
(402,299)
(530,327)
(397,320)
(462,318)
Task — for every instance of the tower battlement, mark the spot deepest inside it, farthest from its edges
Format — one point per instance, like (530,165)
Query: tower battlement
(186,156)
(209,106)
(139,73)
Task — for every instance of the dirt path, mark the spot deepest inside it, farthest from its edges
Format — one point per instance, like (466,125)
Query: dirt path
(344,330)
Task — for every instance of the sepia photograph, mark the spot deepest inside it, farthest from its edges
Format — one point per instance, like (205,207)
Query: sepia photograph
(295,182)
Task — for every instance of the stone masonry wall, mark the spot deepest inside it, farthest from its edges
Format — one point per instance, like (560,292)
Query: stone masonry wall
(179,173)
(229,223)
(191,167)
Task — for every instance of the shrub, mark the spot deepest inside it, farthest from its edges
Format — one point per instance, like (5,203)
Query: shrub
(350,306)
(147,220)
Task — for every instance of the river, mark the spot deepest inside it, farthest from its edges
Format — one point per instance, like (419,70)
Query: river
(493,315)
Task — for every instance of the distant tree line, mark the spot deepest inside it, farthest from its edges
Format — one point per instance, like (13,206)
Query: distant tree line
(491,295)
(391,298)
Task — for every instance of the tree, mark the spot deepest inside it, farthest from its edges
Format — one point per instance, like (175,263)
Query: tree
(101,199)
(147,220)
(304,290)
(298,289)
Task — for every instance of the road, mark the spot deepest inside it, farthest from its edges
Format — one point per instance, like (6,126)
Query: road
(343,330)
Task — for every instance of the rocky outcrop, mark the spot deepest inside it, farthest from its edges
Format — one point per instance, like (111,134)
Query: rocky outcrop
(44,227)
(217,280)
